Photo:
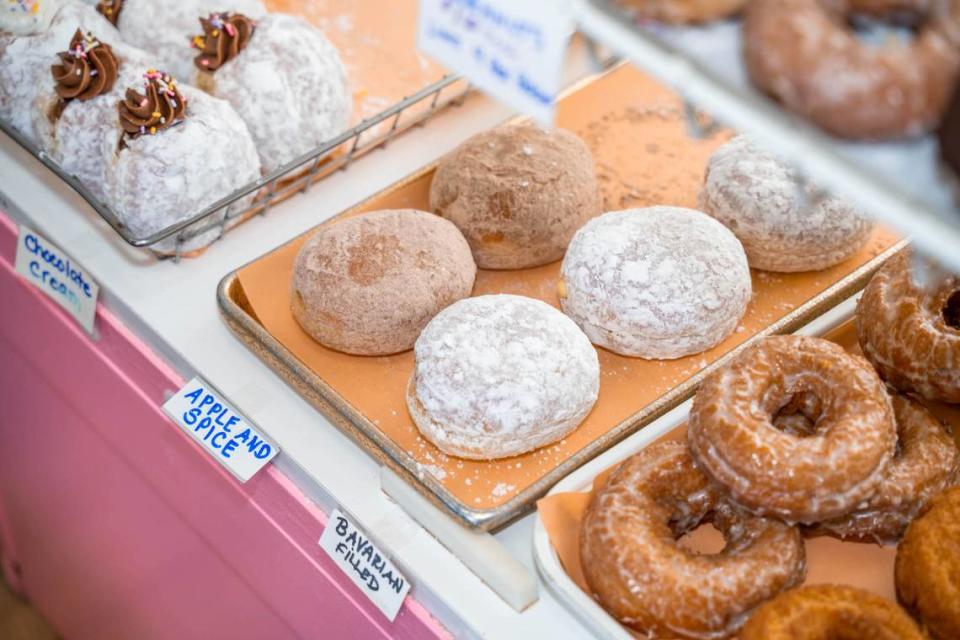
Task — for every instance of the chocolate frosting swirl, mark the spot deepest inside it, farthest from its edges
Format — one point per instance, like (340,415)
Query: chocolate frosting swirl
(87,70)
(159,106)
(224,36)
(110,9)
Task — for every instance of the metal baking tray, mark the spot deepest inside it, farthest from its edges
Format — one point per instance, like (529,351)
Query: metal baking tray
(363,397)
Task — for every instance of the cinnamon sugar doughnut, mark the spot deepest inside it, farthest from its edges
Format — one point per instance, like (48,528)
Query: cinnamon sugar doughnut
(369,284)
(927,569)
(910,330)
(830,612)
(927,462)
(685,11)
(803,54)
(644,578)
(784,225)
(800,478)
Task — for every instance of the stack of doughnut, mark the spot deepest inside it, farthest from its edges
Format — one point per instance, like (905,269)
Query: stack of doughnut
(797,437)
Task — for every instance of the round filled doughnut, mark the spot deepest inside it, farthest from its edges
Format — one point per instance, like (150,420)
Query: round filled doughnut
(784,225)
(499,375)
(910,330)
(927,569)
(830,612)
(927,462)
(642,576)
(684,11)
(658,283)
(805,55)
(518,193)
(807,477)
(368,285)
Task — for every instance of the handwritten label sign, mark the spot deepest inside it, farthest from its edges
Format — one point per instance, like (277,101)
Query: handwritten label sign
(511,49)
(228,437)
(49,269)
(364,564)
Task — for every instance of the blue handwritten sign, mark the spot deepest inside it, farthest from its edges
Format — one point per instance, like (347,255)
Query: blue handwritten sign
(229,437)
(50,270)
(364,563)
(511,49)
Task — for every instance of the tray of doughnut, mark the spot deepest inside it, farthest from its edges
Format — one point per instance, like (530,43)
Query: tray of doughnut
(808,490)
(177,120)
(484,328)
(862,95)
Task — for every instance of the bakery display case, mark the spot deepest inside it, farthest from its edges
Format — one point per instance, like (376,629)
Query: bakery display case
(448,329)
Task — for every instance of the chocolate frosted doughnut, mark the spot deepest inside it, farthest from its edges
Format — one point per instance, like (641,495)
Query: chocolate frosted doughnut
(927,462)
(804,54)
(829,612)
(798,477)
(644,578)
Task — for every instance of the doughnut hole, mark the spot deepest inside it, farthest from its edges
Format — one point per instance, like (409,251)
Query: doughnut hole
(704,539)
(798,414)
(879,26)
(951,310)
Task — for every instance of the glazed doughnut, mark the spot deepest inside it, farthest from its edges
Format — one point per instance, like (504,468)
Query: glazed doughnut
(910,331)
(798,478)
(644,578)
(368,285)
(802,53)
(927,569)
(499,375)
(783,225)
(830,612)
(659,282)
(927,462)
(685,11)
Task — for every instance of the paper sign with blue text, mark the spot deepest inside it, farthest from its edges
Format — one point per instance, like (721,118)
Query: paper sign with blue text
(512,49)
(367,566)
(49,269)
(229,437)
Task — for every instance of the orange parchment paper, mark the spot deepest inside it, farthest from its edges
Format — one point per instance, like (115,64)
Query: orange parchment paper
(829,560)
(644,157)
(377,43)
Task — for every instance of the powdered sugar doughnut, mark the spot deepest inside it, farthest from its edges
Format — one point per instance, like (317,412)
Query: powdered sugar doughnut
(783,225)
(910,330)
(662,282)
(180,155)
(165,29)
(26,17)
(500,375)
(639,573)
(25,61)
(368,285)
(926,463)
(285,80)
(804,54)
(791,476)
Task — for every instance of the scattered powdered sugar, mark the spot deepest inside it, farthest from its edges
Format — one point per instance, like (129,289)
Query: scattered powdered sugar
(502,489)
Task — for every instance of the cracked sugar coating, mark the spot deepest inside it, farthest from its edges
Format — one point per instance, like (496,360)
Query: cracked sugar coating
(643,577)
(154,181)
(804,54)
(800,478)
(927,569)
(911,331)
(288,84)
(830,612)
(368,285)
(25,61)
(783,225)
(518,193)
(662,282)
(927,462)
(164,28)
(500,375)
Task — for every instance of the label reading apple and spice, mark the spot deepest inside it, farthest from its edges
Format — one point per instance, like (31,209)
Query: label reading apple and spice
(45,266)
(512,49)
(230,438)
(364,563)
